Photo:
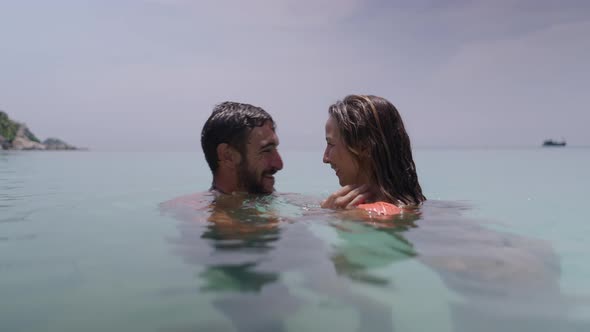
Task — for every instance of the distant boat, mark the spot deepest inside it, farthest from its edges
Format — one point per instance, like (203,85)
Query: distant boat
(550,142)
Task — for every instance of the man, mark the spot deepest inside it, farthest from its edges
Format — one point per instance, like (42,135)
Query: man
(240,145)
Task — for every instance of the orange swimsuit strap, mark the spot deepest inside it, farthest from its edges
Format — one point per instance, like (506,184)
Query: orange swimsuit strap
(381,208)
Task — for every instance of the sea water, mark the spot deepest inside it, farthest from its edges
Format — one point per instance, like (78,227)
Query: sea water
(87,243)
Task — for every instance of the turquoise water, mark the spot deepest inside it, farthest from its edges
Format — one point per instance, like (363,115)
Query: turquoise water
(86,246)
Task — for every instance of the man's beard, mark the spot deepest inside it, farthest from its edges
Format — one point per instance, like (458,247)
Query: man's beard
(249,180)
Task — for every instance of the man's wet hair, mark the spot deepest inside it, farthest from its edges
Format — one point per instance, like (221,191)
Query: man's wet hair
(230,123)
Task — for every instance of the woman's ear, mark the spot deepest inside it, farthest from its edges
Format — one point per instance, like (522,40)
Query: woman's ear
(228,156)
(365,151)
(364,157)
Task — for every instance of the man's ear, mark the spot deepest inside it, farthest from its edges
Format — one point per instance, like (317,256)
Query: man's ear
(228,155)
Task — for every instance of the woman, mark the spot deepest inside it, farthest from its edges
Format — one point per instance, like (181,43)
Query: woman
(368,147)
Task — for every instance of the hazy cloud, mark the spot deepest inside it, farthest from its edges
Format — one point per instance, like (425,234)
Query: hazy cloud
(149,72)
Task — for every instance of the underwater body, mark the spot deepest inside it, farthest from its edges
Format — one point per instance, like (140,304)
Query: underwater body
(132,241)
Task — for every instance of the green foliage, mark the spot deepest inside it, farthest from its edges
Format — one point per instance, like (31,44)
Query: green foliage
(8,128)
(31,136)
(54,141)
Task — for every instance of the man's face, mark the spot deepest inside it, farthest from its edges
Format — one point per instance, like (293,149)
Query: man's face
(260,161)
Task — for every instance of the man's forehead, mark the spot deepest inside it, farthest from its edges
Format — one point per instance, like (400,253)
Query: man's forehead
(263,135)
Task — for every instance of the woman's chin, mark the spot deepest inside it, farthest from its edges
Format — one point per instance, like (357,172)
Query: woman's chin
(343,182)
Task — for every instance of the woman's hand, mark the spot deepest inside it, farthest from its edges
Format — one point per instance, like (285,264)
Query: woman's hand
(347,197)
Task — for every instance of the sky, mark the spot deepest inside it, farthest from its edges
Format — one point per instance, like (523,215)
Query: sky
(144,75)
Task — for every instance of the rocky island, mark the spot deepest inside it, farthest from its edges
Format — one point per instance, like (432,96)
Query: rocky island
(17,136)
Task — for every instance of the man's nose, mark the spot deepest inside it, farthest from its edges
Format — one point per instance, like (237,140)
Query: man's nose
(326,158)
(277,162)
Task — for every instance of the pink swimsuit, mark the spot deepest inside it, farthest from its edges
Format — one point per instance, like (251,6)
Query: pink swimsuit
(381,208)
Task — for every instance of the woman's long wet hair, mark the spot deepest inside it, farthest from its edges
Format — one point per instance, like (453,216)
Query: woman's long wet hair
(374,133)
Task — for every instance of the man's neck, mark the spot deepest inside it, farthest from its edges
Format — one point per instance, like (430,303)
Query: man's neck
(220,188)
(225,182)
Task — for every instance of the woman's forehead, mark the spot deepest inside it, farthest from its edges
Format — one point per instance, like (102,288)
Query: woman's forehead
(332,129)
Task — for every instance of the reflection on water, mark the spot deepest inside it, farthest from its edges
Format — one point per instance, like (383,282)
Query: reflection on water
(268,261)
(371,244)
(507,282)
(230,237)
(248,252)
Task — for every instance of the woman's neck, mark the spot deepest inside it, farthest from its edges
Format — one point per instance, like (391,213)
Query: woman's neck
(374,194)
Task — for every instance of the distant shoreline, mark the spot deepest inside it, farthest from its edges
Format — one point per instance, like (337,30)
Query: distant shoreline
(16,136)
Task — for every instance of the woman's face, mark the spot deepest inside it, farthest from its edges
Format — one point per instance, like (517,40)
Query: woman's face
(339,157)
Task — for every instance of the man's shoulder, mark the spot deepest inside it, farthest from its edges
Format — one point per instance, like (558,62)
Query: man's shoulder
(196,201)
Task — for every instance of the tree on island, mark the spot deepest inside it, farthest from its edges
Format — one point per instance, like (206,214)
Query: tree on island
(17,136)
